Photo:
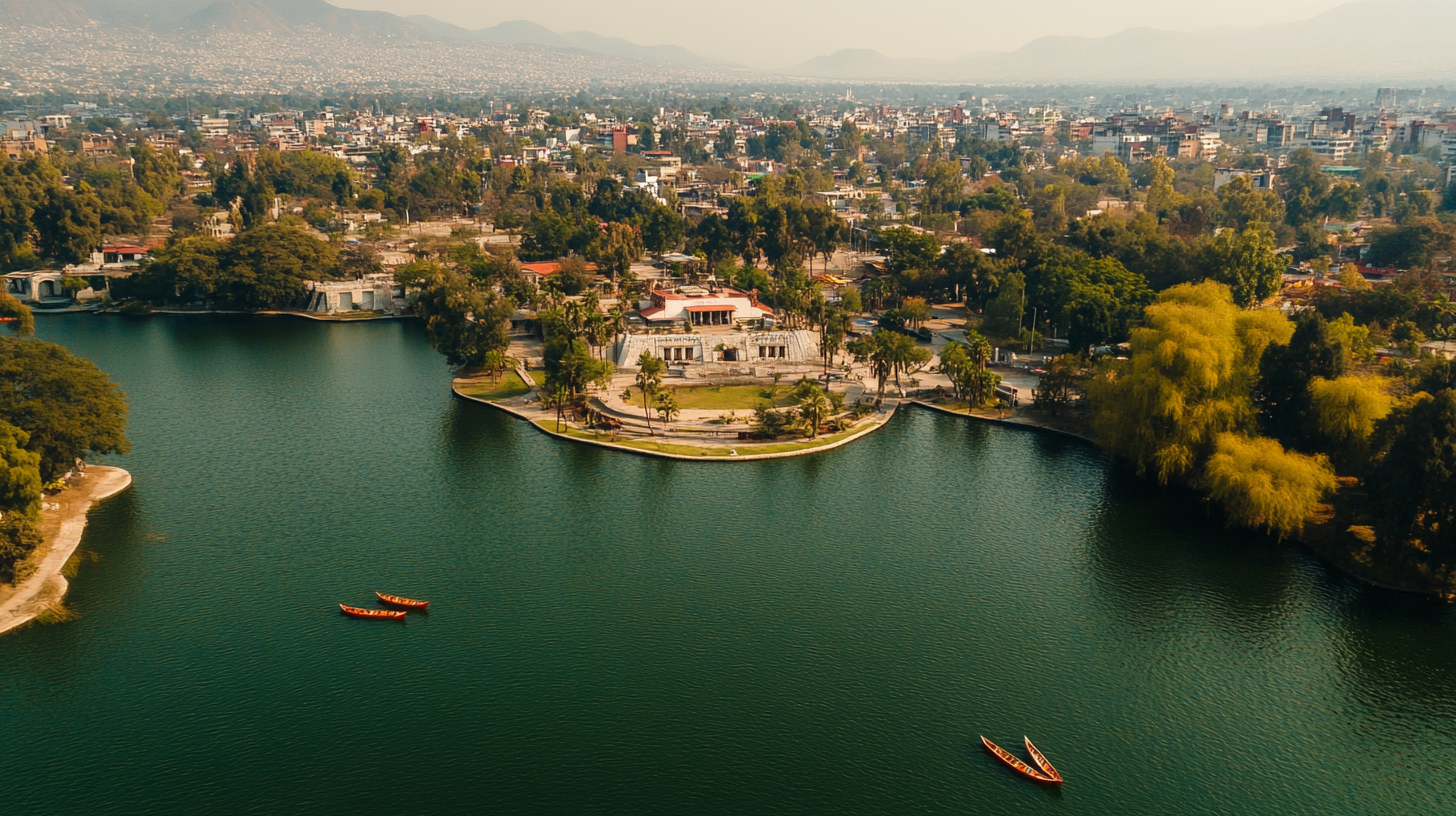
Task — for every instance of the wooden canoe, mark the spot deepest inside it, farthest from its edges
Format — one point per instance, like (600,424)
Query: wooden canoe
(377,614)
(1041,761)
(1016,764)
(403,603)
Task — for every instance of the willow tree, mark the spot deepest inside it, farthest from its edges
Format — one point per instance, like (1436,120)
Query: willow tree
(1345,411)
(1262,485)
(1188,379)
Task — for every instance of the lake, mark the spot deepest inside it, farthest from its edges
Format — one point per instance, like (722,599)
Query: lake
(618,634)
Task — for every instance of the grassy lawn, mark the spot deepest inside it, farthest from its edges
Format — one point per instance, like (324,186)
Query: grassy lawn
(510,385)
(730,397)
(747,449)
(959,406)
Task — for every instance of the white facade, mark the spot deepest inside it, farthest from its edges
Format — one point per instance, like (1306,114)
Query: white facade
(372,293)
(743,349)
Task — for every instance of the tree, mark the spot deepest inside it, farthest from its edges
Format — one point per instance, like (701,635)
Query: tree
(16,315)
(1240,205)
(1285,373)
(1261,485)
(1410,245)
(616,250)
(18,539)
(1063,378)
(1188,379)
(649,379)
(978,385)
(1305,187)
(1161,197)
(1097,299)
(1412,479)
(1351,280)
(461,322)
(971,271)
(954,361)
(915,311)
(573,277)
(20,484)
(1345,411)
(569,362)
(266,267)
(185,271)
(69,224)
(67,407)
(1004,312)
(1245,261)
(814,406)
(667,407)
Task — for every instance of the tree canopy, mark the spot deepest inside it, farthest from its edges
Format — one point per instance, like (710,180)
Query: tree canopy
(67,407)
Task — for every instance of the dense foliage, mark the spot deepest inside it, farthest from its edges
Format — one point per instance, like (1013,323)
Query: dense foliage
(67,407)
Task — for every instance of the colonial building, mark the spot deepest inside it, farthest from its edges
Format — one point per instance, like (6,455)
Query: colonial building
(38,288)
(372,293)
(697,306)
(737,351)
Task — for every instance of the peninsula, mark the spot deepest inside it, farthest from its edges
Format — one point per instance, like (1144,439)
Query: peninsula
(61,527)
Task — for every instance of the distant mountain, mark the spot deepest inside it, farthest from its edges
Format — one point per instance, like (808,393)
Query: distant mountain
(864,63)
(53,13)
(1379,41)
(235,17)
(244,16)
(525,32)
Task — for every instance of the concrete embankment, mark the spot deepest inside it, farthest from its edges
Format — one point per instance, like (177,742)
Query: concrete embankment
(722,452)
(62,530)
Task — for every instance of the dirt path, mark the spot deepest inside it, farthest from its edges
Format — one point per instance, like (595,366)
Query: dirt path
(62,530)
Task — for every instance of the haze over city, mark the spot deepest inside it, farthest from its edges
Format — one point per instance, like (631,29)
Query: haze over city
(439,407)
(768,34)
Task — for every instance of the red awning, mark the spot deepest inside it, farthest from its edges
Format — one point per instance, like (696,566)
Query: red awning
(722,308)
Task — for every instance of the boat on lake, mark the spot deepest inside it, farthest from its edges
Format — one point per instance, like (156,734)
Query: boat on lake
(378,614)
(1017,765)
(403,603)
(1041,761)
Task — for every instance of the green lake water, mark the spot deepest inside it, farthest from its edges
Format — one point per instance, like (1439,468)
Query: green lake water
(616,634)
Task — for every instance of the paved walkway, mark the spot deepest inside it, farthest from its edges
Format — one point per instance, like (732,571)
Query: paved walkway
(697,428)
(62,531)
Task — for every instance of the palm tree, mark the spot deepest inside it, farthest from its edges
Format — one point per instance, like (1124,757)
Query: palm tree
(978,348)
(831,338)
(618,322)
(649,380)
(555,396)
(812,407)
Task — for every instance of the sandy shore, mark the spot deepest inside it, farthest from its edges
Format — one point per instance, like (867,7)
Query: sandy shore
(62,531)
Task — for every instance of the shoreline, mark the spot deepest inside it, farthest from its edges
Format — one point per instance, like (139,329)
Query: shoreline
(322,318)
(856,433)
(1010,423)
(1319,538)
(47,586)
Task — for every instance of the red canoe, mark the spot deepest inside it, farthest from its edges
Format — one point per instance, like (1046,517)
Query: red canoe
(379,614)
(1041,761)
(1016,764)
(403,603)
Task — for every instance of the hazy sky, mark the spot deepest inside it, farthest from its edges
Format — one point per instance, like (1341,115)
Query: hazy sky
(778,33)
